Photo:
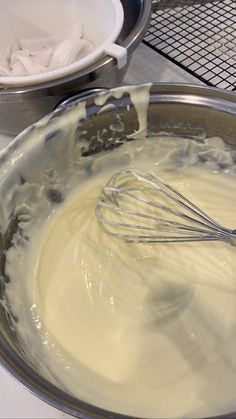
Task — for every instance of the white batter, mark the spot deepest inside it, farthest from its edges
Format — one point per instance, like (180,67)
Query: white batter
(145,330)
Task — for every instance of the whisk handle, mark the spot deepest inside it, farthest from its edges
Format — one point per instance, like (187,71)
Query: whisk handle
(233,238)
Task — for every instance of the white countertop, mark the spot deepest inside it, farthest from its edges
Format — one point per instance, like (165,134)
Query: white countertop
(146,66)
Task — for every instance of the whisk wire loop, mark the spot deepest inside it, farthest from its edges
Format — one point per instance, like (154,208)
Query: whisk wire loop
(134,206)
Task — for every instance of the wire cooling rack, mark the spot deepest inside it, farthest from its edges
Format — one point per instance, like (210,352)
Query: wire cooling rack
(199,36)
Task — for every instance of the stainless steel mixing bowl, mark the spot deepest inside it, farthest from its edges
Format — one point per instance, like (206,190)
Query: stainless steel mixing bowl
(178,110)
(20,107)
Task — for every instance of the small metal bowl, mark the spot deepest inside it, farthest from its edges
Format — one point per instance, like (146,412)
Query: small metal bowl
(179,110)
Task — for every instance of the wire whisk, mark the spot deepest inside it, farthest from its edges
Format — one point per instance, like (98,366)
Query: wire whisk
(140,207)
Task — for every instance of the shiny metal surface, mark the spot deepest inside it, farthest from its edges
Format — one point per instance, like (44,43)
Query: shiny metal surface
(21,107)
(83,94)
(192,111)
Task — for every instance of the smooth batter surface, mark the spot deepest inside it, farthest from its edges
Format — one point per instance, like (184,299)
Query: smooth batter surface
(145,330)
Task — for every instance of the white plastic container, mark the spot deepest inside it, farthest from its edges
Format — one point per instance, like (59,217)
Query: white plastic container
(102,22)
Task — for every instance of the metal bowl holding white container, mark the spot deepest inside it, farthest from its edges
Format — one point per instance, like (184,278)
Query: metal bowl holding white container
(114,28)
(35,25)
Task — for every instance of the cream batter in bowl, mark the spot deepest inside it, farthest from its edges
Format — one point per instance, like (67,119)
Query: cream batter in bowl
(100,328)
